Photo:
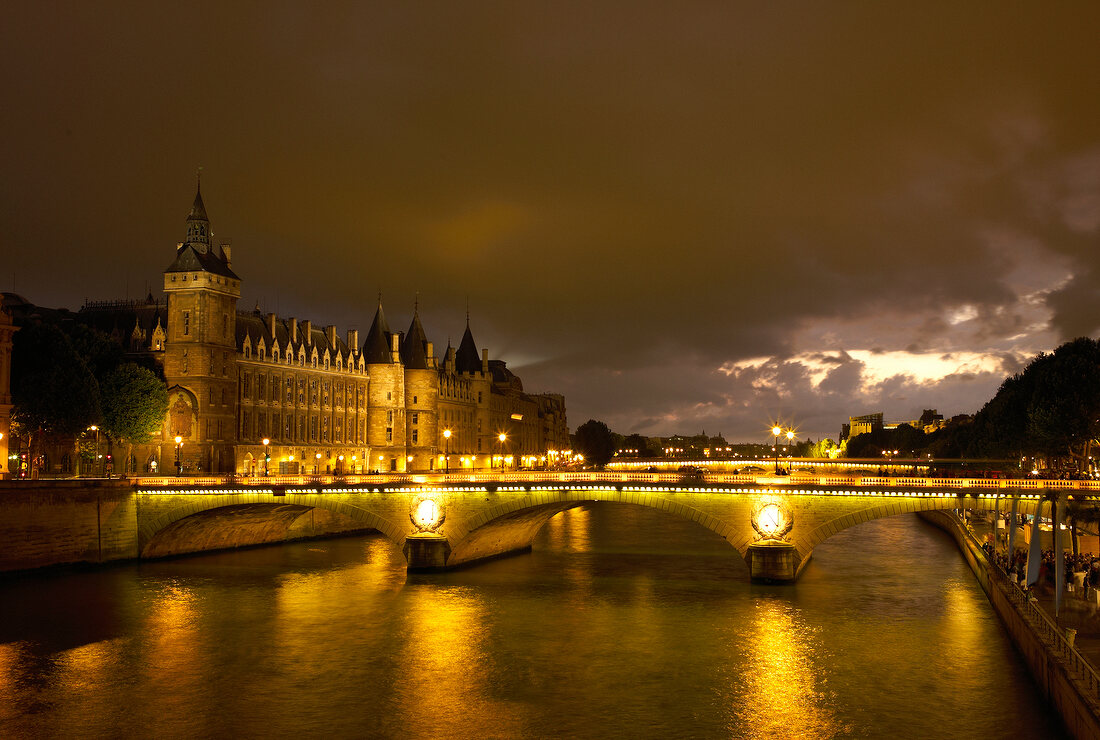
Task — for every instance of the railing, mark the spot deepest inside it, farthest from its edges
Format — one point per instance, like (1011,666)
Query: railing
(1045,627)
(683,479)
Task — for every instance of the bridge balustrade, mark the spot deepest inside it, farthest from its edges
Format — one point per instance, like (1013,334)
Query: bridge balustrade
(797,479)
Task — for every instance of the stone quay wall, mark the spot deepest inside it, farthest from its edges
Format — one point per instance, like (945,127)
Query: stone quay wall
(1080,712)
(49,523)
(62,522)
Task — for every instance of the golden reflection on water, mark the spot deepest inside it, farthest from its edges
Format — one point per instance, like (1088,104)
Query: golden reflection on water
(9,659)
(780,697)
(570,530)
(171,633)
(447,671)
(964,618)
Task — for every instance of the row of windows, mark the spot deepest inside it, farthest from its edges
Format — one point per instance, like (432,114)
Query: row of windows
(300,428)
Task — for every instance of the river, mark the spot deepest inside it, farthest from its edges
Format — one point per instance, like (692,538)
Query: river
(621,622)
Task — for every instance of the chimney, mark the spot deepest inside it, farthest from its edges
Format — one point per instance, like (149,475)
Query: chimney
(227,252)
(485,361)
(307,332)
(431,354)
(271,324)
(293,330)
(353,340)
(330,334)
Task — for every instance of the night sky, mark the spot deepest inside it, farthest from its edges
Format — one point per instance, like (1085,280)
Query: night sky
(682,216)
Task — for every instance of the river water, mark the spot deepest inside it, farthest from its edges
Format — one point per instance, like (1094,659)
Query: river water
(622,622)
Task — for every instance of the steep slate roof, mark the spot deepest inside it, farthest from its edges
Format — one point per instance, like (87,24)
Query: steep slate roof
(189,259)
(414,348)
(198,208)
(254,325)
(197,253)
(376,349)
(466,359)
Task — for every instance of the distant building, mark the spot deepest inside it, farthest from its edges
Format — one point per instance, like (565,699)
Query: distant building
(930,421)
(866,424)
(324,402)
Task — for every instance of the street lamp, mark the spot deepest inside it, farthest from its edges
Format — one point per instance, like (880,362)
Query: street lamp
(179,465)
(790,447)
(502,436)
(267,457)
(446,451)
(317,465)
(95,429)
(776,431)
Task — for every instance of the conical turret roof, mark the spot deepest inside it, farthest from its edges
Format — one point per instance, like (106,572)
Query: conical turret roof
(198,208)
(376,349)
(466,359)
(414,349)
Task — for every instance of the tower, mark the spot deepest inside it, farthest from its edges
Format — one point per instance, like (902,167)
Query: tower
(201,291)
(385,397)
(421,397)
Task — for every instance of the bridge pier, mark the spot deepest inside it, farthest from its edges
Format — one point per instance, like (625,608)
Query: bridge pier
(426,552)
(771,561)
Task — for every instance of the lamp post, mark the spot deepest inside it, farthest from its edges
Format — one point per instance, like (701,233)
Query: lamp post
(790,448)
(317,465)
(95,429)
(502,437)
(446,451)
(179,465)
(776,431)
(267,457)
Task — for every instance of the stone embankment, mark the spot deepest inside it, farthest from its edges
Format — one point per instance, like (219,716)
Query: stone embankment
(1067,679)
(69,522)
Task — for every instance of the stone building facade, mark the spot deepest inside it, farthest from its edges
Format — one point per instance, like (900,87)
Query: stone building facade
(324,402)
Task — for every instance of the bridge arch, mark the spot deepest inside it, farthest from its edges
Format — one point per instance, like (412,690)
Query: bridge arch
(879,508)
(239,519)
(511,525)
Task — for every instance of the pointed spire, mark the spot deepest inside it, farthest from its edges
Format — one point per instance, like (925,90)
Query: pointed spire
(376,349)
(467,359)
(198,223)
(414,348)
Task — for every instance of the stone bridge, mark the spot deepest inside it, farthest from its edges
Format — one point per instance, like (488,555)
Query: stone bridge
(442,522)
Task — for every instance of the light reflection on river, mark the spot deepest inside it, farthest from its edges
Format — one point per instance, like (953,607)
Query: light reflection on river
(622,622)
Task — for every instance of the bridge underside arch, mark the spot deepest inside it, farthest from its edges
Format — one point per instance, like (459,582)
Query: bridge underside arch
(512,527)
(510,532)
(879,508)
(244,525)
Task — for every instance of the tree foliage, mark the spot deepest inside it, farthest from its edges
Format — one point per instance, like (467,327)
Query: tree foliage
(53,390)
(639,443)
(1051,409)
(135,403)
(595,441)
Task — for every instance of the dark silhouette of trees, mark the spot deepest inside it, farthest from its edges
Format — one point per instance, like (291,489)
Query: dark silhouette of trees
(1051,409)
(53,390)
(639,443)
(595,441)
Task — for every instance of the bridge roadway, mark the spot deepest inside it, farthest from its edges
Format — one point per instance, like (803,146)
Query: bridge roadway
(445,521)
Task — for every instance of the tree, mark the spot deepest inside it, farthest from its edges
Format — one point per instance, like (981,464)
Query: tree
(53,391)
(135,402)
(1064,409)
(594,440)
(639,443)
(1051,408)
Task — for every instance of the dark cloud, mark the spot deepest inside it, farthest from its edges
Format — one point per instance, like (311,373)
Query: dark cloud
(629,196)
